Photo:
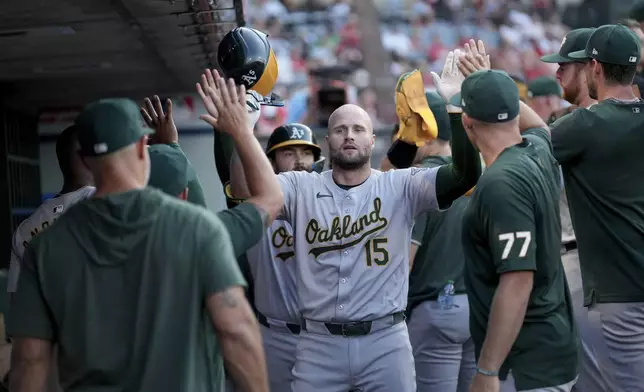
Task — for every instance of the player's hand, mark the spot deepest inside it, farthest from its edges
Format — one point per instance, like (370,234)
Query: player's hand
(225,103)
(449,82)
(482,383)
(165,131)
(474,59)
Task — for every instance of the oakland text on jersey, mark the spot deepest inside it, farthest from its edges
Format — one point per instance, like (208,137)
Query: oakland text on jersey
(34,232)
(281,238)
(366,224)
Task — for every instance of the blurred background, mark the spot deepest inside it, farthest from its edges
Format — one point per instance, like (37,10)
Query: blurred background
(58,55)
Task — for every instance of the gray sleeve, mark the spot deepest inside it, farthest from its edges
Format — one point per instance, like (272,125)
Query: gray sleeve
(418,231)
(419,189)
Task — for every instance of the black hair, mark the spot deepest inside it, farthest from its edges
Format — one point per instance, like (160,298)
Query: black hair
(66,148)
(619,74)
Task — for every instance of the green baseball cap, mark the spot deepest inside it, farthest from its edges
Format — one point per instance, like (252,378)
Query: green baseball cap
(544,86)
(573,41)
(437,105)
(169,169)
(637,11)
(612,44)
(490,96)
(109,125)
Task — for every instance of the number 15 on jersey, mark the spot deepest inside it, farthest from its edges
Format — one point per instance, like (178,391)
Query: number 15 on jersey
(377,253)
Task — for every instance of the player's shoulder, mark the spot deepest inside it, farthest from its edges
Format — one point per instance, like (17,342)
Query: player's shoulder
(575,118)
(302,176)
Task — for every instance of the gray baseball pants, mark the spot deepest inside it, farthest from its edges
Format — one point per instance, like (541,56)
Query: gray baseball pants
(442,346)
(590,375)
(381,361)
(508,386)
(621,356)
(279,349)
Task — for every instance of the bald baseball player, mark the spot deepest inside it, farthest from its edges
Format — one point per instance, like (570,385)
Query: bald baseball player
(521,316)
(132,284)
(352,228)
(77,185)
(599,152)
(440,338)
(544,96)
(572,78)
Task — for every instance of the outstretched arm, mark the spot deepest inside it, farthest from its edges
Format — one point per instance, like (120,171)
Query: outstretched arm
(455,179)
(226,105)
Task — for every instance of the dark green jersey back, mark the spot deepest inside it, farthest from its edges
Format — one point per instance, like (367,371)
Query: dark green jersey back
(512,224)
(440,252)
(120,283)
(600,151)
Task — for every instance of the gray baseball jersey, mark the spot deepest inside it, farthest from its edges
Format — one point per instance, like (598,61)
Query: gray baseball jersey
(272,265)
(44,216)
(352,246)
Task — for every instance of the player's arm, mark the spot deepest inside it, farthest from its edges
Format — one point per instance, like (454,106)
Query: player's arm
(246,226)
(511,232)
(529,119)
(231,315)
(457,178)
(31,329)
(570,136)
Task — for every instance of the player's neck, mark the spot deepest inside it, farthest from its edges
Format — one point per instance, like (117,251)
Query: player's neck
(495,143)
(108,188)
(585,101)
(621,92)
(351,177)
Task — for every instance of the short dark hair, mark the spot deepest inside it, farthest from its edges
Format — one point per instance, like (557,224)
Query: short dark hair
(619,74)
(65,150)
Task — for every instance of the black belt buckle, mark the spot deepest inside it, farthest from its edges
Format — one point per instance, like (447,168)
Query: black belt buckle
(359,328)
(294,328)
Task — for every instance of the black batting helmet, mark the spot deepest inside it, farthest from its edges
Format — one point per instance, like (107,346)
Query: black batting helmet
(245,55)
(293,134)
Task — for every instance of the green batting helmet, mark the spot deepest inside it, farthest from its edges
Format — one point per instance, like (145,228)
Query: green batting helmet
(295,134)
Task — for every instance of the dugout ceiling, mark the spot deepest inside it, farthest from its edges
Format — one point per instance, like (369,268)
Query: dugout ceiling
(64,53)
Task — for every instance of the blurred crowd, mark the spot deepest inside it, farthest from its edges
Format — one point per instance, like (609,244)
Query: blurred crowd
(307,34)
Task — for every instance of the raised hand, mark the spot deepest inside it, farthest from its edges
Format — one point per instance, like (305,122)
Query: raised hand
(449,82)
(474,59)
(225,103)
(159,120)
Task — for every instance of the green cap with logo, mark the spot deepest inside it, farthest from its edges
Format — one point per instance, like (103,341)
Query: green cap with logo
(544,86)
(490,96)
(437,106)
(611,44)
(169,169)
(573,41)
(109,125)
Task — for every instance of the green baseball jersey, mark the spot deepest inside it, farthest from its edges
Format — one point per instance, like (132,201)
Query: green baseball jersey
(512,224)
(440,253)
(119,283)
(600,152)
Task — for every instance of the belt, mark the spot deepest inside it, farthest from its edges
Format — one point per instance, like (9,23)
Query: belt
(357,328)
(569,246)
(293,328)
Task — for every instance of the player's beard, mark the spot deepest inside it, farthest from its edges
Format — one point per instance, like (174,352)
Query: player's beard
(349,163)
